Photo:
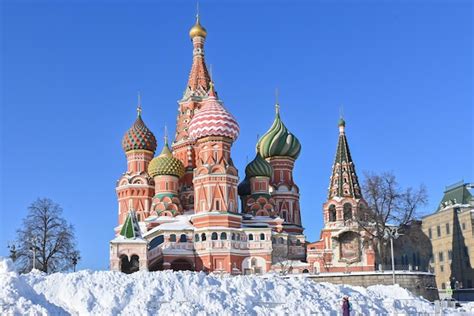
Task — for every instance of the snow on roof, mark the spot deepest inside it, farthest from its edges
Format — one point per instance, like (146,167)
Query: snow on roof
(292,263)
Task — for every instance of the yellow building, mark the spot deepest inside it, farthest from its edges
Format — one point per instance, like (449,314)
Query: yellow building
(451,230)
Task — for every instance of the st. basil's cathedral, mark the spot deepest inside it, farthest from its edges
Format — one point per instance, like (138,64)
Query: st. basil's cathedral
(185,209)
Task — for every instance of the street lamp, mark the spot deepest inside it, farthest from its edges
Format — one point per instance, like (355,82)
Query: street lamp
(33,241)
(391,233)
(75,258)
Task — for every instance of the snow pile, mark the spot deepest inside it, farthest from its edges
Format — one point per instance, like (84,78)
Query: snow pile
(189,293)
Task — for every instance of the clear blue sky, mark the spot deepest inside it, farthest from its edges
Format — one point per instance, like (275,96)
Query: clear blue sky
(71,71)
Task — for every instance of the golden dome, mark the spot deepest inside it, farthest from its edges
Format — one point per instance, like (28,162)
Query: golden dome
(197,29)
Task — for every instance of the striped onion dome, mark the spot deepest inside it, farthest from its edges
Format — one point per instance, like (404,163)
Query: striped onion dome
(166,164)
(244,187)
(139,137)
(278,141)
(213,120)
(258,167)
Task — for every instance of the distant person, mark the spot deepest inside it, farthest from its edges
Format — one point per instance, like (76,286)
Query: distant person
(346,306)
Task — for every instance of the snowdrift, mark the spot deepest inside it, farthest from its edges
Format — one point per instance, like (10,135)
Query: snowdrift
(189,293)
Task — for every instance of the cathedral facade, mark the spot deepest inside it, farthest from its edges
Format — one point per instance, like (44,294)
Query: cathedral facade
(184,209)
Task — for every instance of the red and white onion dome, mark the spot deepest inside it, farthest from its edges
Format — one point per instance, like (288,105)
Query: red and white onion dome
(213,120)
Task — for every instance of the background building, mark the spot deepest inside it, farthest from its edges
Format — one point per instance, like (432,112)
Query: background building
(450,230)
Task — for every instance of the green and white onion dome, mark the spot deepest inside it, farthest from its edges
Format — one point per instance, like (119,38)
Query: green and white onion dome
(278,141)
(258,167)
(166,164)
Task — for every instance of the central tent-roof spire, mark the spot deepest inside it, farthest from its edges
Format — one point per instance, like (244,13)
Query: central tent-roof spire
(199,76)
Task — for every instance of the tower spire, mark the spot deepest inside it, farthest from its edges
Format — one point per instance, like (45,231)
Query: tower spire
(344,181)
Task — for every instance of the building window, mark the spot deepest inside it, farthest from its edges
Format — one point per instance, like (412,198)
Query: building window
(463,226)
(443,286)
(441,268)
(440,256)
(203,237)
(262,236)
(196,237)
(430,234)
(250,236)
(347,211)
(223,236)
(233,236)
(183,238)
(332,213)
(214,236)
(447,229)
(218,205)
(450,254)
(438,231)
(172,237)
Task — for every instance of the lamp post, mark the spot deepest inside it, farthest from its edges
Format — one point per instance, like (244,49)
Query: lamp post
(75,258)
(392,233)
(33,249)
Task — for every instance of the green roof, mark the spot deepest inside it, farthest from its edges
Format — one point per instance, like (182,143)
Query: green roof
(130,228)
(457,193)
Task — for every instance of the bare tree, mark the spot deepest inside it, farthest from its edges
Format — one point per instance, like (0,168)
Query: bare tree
(389,206)
(281,258)
(45,241)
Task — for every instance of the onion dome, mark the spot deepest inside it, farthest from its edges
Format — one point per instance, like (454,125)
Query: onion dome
(166,164)
(244,187)
(139,137)
(213,120)
(342,122)
(258,167)
(197,29)
(278,141)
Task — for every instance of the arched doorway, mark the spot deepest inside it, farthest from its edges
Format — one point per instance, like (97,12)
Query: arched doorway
(181,264)
(124,264)
(254,265)
(134,263)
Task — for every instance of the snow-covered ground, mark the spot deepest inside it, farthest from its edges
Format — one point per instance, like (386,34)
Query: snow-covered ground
(188,293)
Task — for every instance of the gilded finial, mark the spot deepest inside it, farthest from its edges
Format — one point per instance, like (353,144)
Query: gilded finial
(277,105)
(139,106)
(166,135)
(197,29)
(342,122)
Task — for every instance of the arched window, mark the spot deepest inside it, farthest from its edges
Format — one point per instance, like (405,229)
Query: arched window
(273,240)
(233,236)
(196,237)
(183,238)
(250,236)
(172,237)
(214,236)
(281,241)
(238,237)
(156,241)
(298,242)
(223,236)
(203,237)
(262,236)
(332,213)
(347,211)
